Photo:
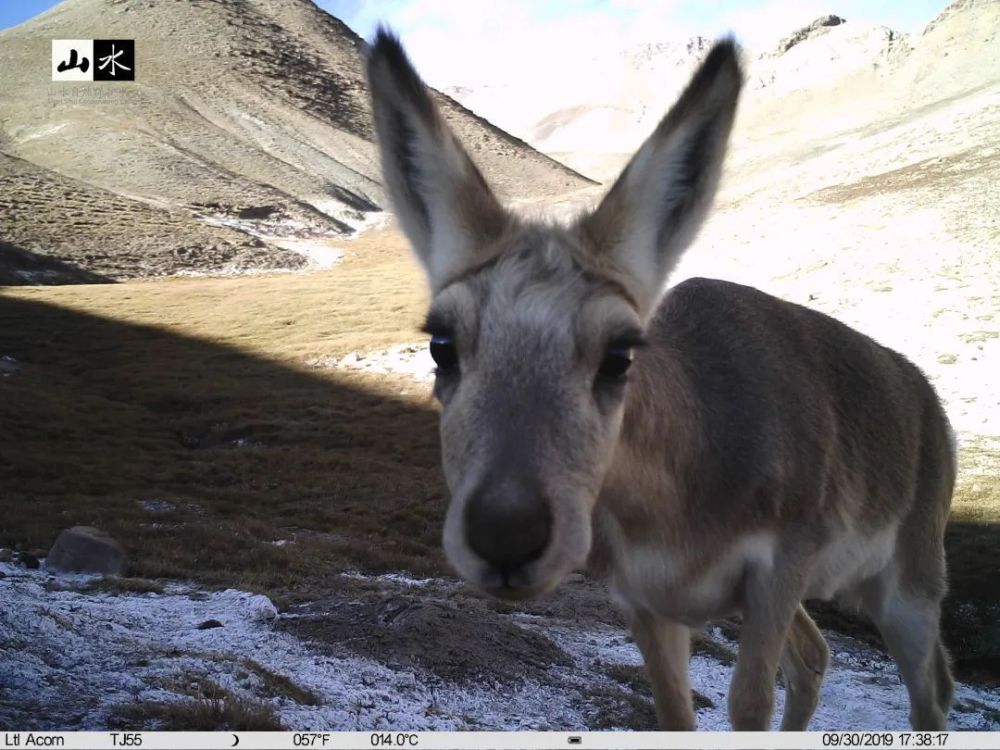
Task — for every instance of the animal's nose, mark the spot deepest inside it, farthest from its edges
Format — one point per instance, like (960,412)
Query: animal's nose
(508,529)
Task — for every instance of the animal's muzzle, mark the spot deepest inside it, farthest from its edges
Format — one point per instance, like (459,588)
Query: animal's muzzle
(508,526)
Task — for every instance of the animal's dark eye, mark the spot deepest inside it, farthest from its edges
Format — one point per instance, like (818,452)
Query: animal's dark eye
(444,354)
(616,362)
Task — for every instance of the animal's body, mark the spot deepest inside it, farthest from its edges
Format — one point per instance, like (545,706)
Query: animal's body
(754,454)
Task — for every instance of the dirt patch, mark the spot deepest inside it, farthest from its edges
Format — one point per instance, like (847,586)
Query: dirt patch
(927,174)
(458,640)
(611,707)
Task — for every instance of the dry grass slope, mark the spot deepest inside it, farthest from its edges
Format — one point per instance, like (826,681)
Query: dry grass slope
(237,106)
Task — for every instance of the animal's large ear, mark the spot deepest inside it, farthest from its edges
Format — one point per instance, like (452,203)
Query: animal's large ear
(441,199)
(657,204)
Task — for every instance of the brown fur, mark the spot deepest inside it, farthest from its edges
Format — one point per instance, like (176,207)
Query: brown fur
(757,454)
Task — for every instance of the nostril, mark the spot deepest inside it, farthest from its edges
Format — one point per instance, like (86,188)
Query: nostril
(508,534)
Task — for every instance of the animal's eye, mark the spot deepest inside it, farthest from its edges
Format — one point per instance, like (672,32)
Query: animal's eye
(617,360)
(444,354)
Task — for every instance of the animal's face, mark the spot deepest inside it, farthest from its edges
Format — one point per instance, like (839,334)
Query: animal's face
(532,355)
(533,327)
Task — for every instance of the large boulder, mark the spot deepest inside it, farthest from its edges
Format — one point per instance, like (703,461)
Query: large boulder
(84,549)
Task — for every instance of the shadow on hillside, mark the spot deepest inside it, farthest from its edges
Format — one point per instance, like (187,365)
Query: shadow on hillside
(20,267)
(214,464)
(205,461)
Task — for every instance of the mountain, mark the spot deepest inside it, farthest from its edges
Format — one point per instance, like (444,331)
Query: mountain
(607,104)
(246,129)
(820,76)
(862,179)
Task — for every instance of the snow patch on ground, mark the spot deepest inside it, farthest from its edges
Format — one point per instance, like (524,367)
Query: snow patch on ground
(412,360)
(398,578)
(156,506)
(321,253)
(69,657)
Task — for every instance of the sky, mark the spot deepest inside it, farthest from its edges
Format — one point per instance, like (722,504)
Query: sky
(492,41)
(13,12)
(504,41)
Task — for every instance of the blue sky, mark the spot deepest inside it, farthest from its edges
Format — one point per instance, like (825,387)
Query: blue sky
(13,12)
(498,40)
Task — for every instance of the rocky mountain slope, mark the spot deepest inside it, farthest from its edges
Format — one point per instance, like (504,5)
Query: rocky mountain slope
(247,124)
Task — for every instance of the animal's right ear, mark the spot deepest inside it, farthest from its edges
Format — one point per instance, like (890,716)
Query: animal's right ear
(441,199)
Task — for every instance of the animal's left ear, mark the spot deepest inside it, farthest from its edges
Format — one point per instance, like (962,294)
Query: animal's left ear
(657,204)
(441,199)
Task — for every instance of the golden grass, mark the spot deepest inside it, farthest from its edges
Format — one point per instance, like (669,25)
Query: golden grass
(973,537)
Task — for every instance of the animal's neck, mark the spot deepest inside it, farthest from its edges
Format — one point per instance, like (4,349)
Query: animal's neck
(659,444)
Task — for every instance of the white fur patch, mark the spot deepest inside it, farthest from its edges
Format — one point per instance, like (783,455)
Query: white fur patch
(849,560)
(659,580)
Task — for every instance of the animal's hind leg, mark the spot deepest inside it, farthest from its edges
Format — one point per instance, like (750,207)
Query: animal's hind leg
(803,664)
(771,603)
(909,625)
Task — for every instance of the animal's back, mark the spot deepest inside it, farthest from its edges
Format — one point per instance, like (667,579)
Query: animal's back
(802,418)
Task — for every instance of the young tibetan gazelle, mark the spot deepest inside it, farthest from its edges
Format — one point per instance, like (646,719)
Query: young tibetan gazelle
(708,450)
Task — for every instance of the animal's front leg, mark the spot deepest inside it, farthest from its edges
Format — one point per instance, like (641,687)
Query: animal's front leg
(666,649)
(771,599)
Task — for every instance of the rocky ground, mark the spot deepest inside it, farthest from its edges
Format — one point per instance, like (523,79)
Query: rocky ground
(375,653)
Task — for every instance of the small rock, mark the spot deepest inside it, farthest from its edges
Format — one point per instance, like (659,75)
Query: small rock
(8,366)
(85,549)
(261,609)
(2,575)
(6,555)
(209,624)
(30,561)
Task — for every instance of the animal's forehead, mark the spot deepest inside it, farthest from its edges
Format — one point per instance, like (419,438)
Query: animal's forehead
(538,263)
(540,282)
